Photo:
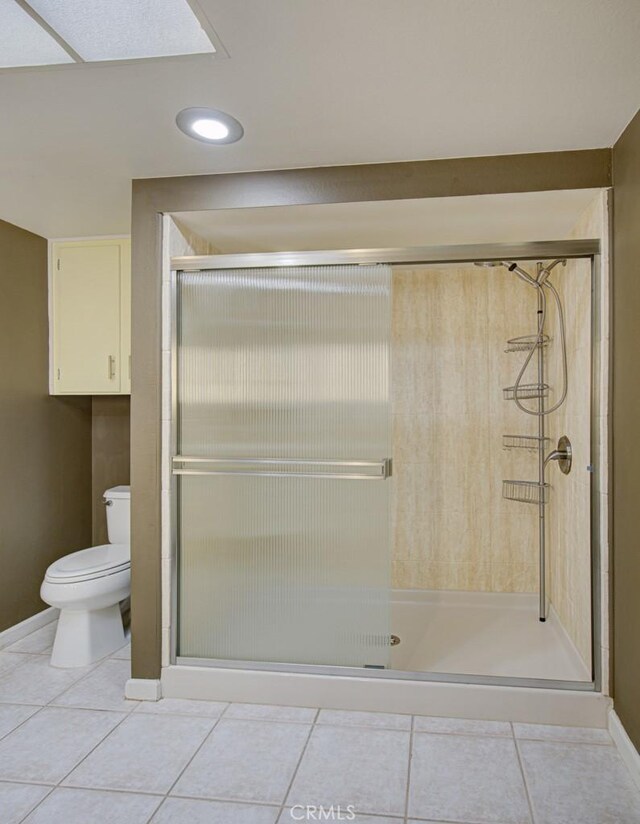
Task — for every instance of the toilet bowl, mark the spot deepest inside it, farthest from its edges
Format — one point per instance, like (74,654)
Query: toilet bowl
(87,587)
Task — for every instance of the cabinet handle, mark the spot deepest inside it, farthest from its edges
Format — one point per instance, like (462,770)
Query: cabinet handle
(112,367)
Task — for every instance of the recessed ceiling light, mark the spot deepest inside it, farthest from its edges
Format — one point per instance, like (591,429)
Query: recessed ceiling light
(210,128)
(209,125)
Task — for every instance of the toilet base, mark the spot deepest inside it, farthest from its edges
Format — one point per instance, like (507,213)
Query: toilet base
(83,636)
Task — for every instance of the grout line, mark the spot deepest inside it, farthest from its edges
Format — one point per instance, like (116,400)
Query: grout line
(406,796)
(197,750)
(524,778)
(84,758)
(571,741)
(94,668)
(57,784)
(221,799)
(297,767)
(24,720)
(35,807)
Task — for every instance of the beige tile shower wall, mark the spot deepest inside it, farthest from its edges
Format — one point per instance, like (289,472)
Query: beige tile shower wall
(569,535)
(452,529)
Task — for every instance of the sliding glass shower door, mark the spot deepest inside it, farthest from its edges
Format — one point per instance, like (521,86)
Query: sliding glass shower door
(283,442)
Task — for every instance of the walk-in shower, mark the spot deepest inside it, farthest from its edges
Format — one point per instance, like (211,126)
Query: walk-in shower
(346,495)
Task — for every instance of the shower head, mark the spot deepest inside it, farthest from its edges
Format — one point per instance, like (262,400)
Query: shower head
(511,266)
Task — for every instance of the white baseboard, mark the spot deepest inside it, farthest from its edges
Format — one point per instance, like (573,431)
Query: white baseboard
(143,689)
(627,750)
(26,627)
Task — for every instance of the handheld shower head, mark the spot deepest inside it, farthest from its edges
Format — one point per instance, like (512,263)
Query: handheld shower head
(511,266)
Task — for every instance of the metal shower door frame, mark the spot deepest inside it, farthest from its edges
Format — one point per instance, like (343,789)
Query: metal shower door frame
(425,256)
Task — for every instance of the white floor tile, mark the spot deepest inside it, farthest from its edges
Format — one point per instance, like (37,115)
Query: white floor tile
(36,682)
(245,761)
(146,753)
(348,765)
(423,723)
(294,815)
(271,712)
(182,706)
(12,715)
(47,746)
(16,800)
(67,806)
(10,660)
(176,810)
(583,783)
(102,689)
(39,641)
(124,652)
(464,778)
(346,718)
(576,735)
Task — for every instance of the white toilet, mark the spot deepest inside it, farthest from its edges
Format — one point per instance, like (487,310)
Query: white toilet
(87,587)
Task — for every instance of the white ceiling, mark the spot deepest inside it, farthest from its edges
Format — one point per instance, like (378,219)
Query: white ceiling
(509,218)
(320,83)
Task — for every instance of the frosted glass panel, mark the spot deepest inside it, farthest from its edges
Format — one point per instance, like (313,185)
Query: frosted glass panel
(285,362)
(284,428)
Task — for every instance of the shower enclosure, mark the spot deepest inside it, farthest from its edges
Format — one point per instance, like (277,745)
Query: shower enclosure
(284,487)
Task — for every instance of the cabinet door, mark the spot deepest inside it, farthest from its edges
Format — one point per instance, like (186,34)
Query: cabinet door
(86,309)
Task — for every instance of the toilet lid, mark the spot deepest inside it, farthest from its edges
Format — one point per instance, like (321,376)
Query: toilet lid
(94,562)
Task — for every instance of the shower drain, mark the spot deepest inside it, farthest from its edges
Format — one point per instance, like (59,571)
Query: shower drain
(394,640)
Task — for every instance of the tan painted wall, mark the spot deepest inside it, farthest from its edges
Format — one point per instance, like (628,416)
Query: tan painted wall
(626,435)
(45,462)
(110,454)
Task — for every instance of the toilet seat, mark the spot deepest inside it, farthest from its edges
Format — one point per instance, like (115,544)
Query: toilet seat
(89,564)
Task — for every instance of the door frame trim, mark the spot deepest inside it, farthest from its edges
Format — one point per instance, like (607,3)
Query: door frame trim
(422,255)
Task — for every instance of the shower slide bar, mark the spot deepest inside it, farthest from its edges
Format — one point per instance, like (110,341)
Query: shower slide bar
(284,468)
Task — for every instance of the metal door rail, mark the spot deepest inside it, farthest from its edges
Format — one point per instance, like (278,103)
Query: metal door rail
(292,467)
(267,467)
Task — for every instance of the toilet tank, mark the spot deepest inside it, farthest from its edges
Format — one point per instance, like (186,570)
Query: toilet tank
(117,500)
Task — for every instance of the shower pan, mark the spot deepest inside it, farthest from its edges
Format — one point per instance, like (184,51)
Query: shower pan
(282,460)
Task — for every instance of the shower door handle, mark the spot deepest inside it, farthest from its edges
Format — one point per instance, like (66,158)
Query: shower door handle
(364,470)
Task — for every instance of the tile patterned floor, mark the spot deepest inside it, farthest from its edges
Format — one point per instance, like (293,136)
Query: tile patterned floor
(74,751)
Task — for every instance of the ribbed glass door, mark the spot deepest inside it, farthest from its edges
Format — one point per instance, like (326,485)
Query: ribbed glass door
(283,444)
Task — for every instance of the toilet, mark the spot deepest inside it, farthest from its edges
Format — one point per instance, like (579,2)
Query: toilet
(87,587)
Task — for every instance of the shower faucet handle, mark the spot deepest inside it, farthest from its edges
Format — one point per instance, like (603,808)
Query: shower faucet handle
(563,454)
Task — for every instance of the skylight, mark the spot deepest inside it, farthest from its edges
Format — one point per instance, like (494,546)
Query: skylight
(23,42)
(43,32)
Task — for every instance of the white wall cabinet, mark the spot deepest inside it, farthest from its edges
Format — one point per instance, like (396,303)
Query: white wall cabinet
(91,317)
